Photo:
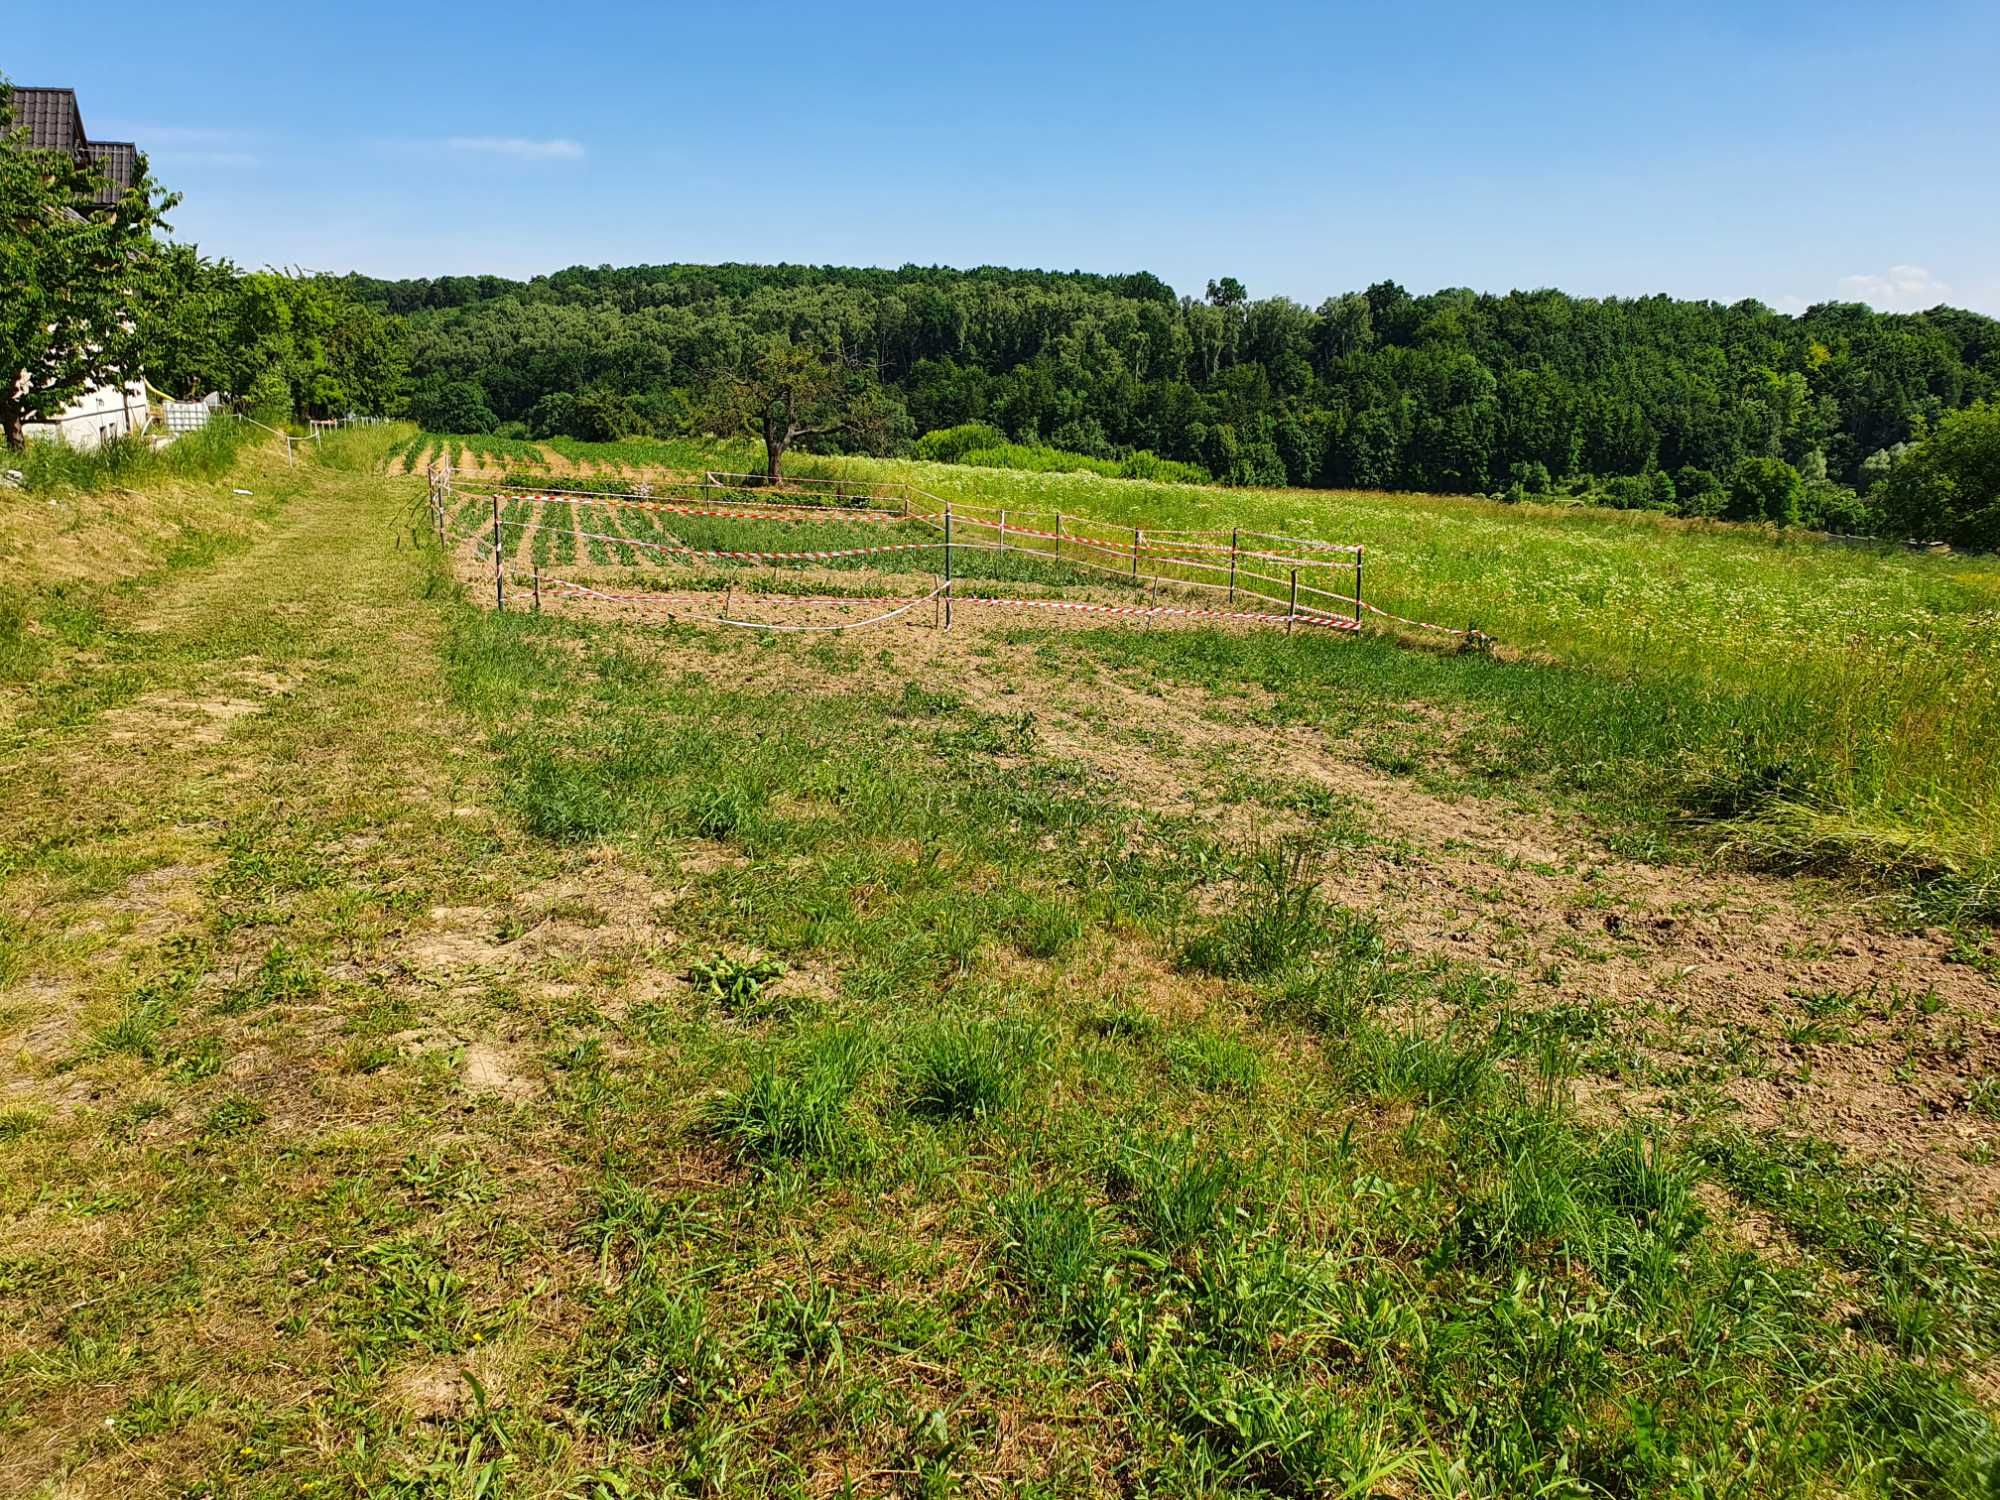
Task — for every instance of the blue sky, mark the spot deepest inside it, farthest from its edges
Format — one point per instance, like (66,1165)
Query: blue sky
(1787,151)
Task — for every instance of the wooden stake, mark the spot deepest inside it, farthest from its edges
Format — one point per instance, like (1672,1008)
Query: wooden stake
(1232,566)
(499,583)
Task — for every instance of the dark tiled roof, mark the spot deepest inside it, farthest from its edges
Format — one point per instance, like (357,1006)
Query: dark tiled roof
(118,161)
(51,118)
(54,123)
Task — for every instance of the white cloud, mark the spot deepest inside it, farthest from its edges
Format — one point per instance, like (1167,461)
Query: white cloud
(516,147)
(1898,289)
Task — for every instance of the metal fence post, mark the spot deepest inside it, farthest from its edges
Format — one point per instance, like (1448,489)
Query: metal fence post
(1232,566)
(499,581)
(947,565)
(1357,588)
(538,588)
(1137,536)
(1294,612)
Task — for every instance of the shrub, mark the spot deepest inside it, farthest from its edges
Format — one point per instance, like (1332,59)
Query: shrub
(1765,489)
(949,445)
(1947,487)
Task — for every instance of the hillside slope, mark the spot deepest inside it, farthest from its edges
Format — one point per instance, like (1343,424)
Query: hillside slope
(445,1053)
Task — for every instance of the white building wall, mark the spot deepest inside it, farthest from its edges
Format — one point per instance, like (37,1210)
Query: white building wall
(97,415)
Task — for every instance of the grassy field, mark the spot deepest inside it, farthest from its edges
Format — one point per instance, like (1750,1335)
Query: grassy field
(459,1054)
(1822,706)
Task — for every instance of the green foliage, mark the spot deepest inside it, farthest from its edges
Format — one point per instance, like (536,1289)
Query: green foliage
(981,445)
(734,983)
(67,264)
(1278,919)
(1454,391)
(1765,489)
(1055,1245)
(650,1364)
(285,344)
(797,1110)
(966,1068)
(1947,486)
(451,406)
(206,454)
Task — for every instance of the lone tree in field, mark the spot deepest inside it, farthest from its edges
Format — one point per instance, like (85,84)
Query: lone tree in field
(789,393)
(68,273)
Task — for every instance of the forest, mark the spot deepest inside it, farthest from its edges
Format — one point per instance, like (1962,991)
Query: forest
(1698,408)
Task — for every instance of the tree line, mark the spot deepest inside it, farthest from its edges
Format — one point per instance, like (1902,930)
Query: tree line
(1699,408)
(1843,418)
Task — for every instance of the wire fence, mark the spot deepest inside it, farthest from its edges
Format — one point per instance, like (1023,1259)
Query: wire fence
(536,545)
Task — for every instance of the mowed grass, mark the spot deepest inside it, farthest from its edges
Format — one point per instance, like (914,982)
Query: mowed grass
(529,1056)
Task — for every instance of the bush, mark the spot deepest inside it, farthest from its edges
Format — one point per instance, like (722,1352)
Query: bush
(1765,489)
(1946,488)
(1836,508)
(269,399)
(949,445)
(1698,492)
(985,446)
(452,406)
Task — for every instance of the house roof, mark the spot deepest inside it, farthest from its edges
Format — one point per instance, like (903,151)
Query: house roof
(119,162)
(55,123)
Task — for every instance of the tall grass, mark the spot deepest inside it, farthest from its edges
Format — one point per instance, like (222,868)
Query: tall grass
(46,464)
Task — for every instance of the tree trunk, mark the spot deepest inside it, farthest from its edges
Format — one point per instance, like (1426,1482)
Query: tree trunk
(13,421)
(777,435)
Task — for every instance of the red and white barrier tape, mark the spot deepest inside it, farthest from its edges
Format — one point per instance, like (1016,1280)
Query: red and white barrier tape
(571,590)
(797,513)
(1328,622)
(1413,624)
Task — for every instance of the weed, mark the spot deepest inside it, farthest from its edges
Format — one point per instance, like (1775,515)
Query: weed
(737,984)
(649,1363)
(966,1069)
(1055,1245)
(1214,1060)
(1179,1194)
(798,1110)
(1278,920)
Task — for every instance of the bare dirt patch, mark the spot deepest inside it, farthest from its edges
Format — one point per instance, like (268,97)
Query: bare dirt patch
(201,720)
(1787,1002)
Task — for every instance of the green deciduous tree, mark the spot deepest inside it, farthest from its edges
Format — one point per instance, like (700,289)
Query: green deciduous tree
(68,276)
(1765,489)
(1946,487)
(789,393)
